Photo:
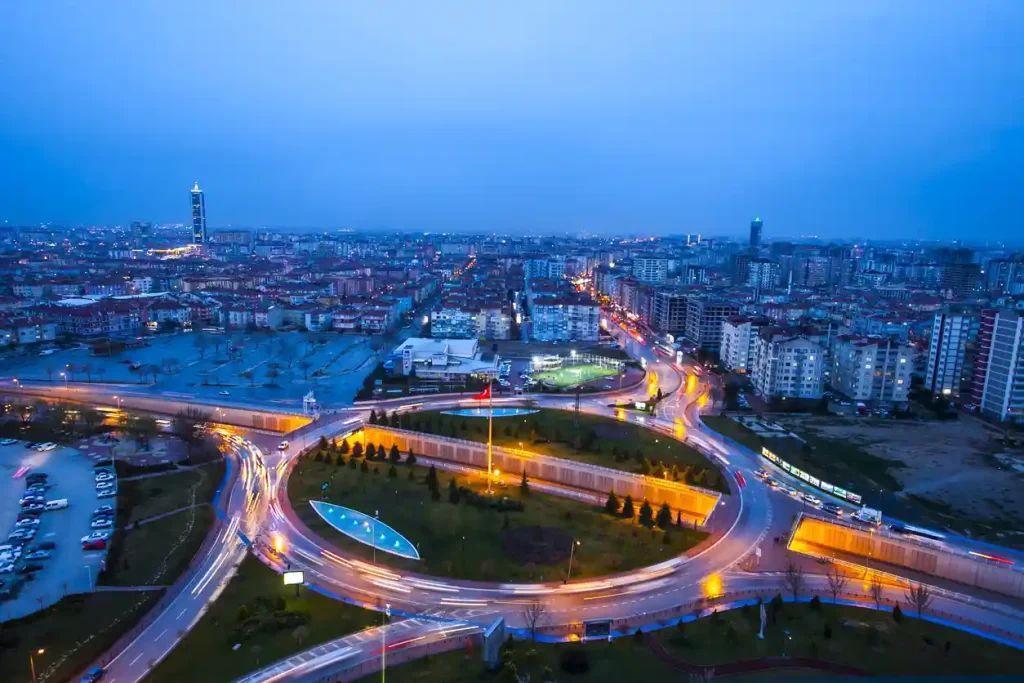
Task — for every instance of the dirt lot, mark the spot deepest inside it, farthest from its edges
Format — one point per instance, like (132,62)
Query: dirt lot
(949,463)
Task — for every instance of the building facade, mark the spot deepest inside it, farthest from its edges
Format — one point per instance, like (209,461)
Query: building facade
(198,215)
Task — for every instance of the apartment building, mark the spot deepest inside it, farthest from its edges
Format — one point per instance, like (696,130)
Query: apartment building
(565,318)
(951,355)
(650,270)
(787,366)
(872,369)
(1003,393)
(739,337)
(668,312)
(705,317)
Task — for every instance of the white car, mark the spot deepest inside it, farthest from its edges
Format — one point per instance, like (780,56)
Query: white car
(48,446)
(106,493)
(224,393)
(103,510)
(28,522)
(7,568)
(96,536)
(7,442)
(283,446)
(104,476)
(100,485)
(102,523)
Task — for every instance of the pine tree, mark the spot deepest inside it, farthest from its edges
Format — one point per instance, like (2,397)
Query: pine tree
(395,420)
(679,519)
(344,447)
(371,451)
(392,472)
(453,491)
(524,485)
(664,516)
(646,514)
(363,467)
(627,507)
(357,450)
(394,455)
(323,443)
(373,417)
(340,462)
(611,506)
(432,480)
(411,459)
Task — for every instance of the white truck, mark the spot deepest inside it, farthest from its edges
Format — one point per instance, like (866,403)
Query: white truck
(868,515)
(58,504)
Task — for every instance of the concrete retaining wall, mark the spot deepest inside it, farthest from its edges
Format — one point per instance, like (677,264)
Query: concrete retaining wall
(93,395)
(961,568)
(699,503)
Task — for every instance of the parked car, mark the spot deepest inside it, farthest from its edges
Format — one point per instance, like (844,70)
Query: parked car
(57,504)
(45,545)
(96,536)
(7,442)
(7,568)
(27,523)
(101,523)
(104,476)
(22,535)
(103,510)
(46,446)
(283,446)
(833,509)
(224,393)
(104,485)
(34,476)
(31,444)
(29,568)
(107,493)
(34,506)
(95,544)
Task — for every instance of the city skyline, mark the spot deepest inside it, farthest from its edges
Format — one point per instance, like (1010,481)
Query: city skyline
(548,120)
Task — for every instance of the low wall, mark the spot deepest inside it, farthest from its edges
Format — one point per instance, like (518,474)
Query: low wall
(898,552)
(699,503)
(271,420)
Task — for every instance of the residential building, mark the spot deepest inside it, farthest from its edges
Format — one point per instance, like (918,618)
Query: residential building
(1003,394)
(762,274)
(668,314)
(705,316)
(565,318)
(950,369)
(872,369)
(739,339)
(787,366)
(650,269)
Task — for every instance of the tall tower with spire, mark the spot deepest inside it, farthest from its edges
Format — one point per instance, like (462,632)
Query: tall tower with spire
(198,215)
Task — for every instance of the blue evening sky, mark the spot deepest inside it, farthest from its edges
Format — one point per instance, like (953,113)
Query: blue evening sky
(841,118)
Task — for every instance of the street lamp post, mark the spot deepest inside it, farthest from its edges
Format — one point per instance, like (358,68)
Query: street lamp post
(383,643)
(88,570)
(572,553)
(786,637)
(376,516)
(32,662)
(65,376)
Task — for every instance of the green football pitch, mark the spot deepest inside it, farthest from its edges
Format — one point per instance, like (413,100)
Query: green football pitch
(568,377)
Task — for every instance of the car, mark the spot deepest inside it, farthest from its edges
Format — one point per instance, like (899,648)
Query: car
(283,446)
(103,510)
(47,446)
(761,474)
(31,444)
(104,485)
(833,509)
(224,393)
(792,492)
(45,545)
(92,675)
(104,476)
(37,476)
(31,498)
(740,479)
(29,568)
(27,522)
(772,482)
(22,535)
(7,442)
(35,506)
(101,524)
(7,547)
(97,544)
(37,486)
(106,493)
(7,568)
(27,515)
(96,536)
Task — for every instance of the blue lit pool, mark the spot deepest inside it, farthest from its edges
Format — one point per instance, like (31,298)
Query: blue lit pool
(483,412)
(365,529)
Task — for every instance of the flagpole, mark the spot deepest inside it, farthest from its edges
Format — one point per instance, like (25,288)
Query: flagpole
(490,433)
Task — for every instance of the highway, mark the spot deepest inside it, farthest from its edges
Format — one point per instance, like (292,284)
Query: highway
(255,505)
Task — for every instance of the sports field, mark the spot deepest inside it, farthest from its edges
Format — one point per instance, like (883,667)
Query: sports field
(578,374)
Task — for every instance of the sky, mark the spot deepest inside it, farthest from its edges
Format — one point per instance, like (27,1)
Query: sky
(841,119)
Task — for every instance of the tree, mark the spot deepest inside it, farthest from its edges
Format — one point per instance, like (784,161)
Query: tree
(612,505)
(411,459)
(919,597)
(535,615)
(92,418)
(876,590)
(373,417)
(395,420)
(340,461)
(201,342)
(524,485)
(394,455)
(322,443)
(189,425)
(344,447)
(453,491)
(371,451)
(897,614)
(249,375)
(432,483)
(300,634)
(646,514)
(793,579)
(392,471)
(836,582)
(627,507)
(664,516)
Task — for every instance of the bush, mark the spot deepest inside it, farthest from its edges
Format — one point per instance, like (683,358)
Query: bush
(828,632)
(243,614)
(815,603)
(897,614)
(574,659)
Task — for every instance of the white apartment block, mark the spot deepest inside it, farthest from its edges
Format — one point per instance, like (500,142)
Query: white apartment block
(470,323)
(739,337)
(788,367)
(872,369)
(651,270)
(946,372)
(1003,394)
(762,274)
(564,319)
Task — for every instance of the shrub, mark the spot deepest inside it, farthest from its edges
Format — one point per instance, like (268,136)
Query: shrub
(815,603)
(897,614)
(243,614)
(574,659)
(828,632)
(392,472)
(363,467)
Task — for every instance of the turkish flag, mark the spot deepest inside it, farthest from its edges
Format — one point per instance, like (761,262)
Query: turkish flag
(483,395)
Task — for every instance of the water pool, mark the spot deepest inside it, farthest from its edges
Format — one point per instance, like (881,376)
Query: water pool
(484,412)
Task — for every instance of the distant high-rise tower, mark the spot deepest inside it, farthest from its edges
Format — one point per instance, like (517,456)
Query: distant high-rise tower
(198,215)
(755,233)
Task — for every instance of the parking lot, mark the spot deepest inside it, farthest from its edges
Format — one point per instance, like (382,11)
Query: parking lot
(69,569)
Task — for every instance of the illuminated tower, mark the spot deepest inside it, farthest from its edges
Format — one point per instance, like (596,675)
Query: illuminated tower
(755,232)
(198,215)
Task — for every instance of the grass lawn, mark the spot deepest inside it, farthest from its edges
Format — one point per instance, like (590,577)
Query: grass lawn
(157,552)
(598,440)
(155,495)
(570,377)
(206,654)
(617,662)
(861,638)
(464,541)
(841,462)
(73,632)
